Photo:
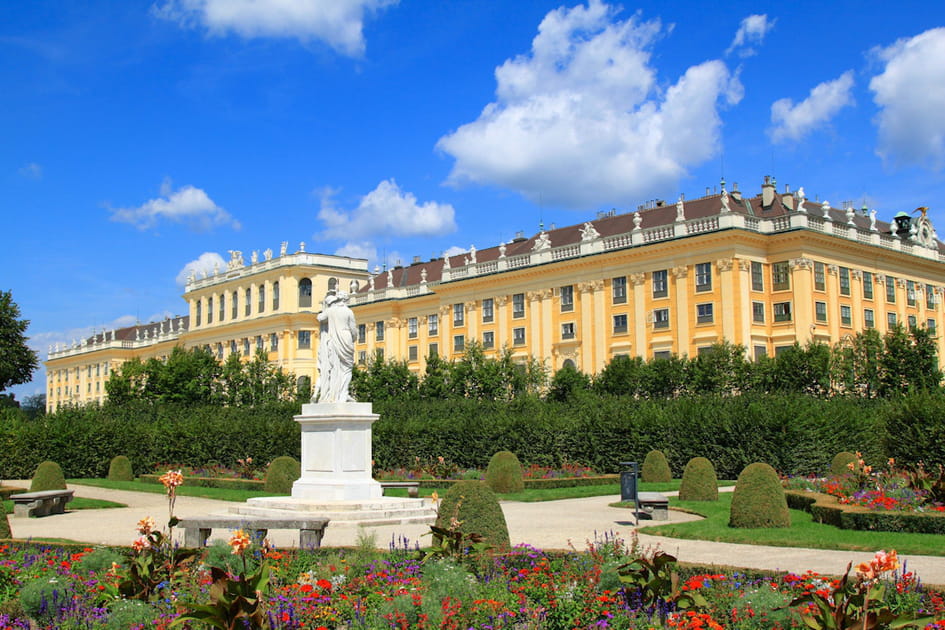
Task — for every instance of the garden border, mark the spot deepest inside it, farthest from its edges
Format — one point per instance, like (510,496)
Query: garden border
(825,508)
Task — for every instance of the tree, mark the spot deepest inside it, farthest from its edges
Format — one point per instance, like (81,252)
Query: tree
(34,406)
(567,383)
(17,360)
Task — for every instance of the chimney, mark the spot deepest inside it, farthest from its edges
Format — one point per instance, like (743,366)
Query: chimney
(736,193)
(767,192)
(788,200)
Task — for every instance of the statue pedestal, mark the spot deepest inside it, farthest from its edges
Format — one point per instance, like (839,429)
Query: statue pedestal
(336,453)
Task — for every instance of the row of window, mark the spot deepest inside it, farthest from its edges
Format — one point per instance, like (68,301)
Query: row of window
(869,317)
(247,302)
(99,369)
(246,345)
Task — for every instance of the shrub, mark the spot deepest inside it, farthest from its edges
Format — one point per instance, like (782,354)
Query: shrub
(504,473)
(840,464)
(120,469)
(656,468)
(44,599)
(699,482)
(48,476)
(281,474)
(100,560)
(758,500)
(130,613)
(477,510)
(4,523)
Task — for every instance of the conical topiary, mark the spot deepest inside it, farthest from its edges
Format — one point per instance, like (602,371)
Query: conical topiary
(656,468)
(841,463)
(504,473)
(281,474)
(699,482)
(758,500)
(120,469)
(476,510)
(48,476)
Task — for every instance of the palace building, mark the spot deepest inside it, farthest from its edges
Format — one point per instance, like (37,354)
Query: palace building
(763,272)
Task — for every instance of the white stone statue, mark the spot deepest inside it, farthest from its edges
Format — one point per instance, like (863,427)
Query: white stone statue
(390,278)
(472,254)
(501,250)
(371,283)
(302,247)
(267,255)
(191,277)
(254,257)
(825,206)
(542,242)
(589,232)
(353,286)
(850,214)
(216,268)
(873,220)
(446,261)
(725,203)
(637,220)
(336,349)
(423,275)
(236,260)
(801,198)
(284,248)
(681,209)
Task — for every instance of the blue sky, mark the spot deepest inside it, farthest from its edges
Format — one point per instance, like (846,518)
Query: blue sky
(143,139)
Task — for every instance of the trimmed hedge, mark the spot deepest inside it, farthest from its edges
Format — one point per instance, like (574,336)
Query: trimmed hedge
(699,482)
(758,500)
(655,468)
(825,508)
(841,463)
(504,473)
(48,476)
(557,482)
(281,474)
(4,523)
(477,511)
(212,482)
(120,469)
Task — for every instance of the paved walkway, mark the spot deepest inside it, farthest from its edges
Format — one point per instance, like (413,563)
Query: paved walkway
(548,525)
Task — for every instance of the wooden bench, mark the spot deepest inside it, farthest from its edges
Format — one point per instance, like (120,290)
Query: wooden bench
(654,504)
(413,487)
(41,503)
(197,530)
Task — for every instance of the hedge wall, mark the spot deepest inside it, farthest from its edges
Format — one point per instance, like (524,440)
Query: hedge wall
(794,433)
(825,509)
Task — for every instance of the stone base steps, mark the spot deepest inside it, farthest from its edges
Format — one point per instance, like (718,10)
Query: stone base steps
(380,511)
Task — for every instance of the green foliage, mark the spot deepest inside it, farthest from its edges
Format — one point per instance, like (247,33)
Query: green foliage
(913,431)
(720,369)
(130,613)
(384,379)
(759,500)
(567,383)
(43,599)
(100,560)
(699,482)
(655,468)
(4,523)
(504,473)
(235,602)
(840,463)
(826,509)
(471,507)
(653,581)
(281,474)
(17,360)
(120,469)
(48,476)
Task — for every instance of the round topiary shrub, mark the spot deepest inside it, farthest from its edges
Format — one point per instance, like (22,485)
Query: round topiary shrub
(48,476)
(120,469)
(841,463)
(699,482)
(656,468)
(477,510)
(758,500)
(281,474)
(504,473)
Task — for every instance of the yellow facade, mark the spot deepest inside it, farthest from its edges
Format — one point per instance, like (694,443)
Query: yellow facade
(764,272)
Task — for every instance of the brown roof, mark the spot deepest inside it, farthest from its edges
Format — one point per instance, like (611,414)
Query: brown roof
(130,333)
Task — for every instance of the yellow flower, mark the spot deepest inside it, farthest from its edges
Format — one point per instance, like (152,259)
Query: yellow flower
(239,541)
(436,497)
(892,462)
(146,526)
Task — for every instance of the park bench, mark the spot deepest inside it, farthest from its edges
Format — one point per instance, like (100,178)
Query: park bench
(197,530)
(413,487)
(41,503)
(653,504)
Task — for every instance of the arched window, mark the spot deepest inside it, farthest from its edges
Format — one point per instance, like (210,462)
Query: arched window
(305,292)
(332,284)
(222,306)
(275,296)
(262,298)
(236,310)
(209,310)
(568,363)
(248,303)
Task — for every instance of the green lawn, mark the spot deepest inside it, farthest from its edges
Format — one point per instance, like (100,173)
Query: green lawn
(78,503)
(802,533)
(554,494)
(222,494)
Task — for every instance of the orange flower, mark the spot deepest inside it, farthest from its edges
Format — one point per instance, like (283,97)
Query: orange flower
(146,526)
(239,541)
(880,563)
(171,479)
(851,466)
(141,544)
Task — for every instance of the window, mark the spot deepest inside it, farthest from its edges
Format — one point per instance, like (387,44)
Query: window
(199,309)
(704,277)
(248,303)
(411,353)
(929,296)
(459,315)
(332,284)
(305,339)
(275,296)
(760,352)
(379,331)
(459,343)
(910,293)
(260,345)
(362,357)
(704,313)
(844,281)
(246,347)
(518,305)
(488,340)
(782,311)
(488,310)
(661,318)
(619,288)
(412,328)
(209,310)
(662,354)
(820,311)
(912,322)
(758,312)
(757,276)
(781,276)
(379,353)
(305,292)
(869,318)
(518,336)
(930,324)
(867,285)
(433,325)
(362,333)
(232,346)
(433,350)
(890,289)
(820,282)
(660,282)
(620,323)
(891,320)
(567,298)
(261,301)
(222,307)
(846,319)
(567,330)
(235,311)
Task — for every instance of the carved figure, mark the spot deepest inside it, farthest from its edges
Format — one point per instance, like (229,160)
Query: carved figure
(542,242)
(873,220)
(267,255)
(801,198)
(284,248)
(472,254)
(681,210)
(236,260)
(637,220)
(302,247)
(338,346)
(423,275)
(501,250)
(589,232)
(725,202)
(254,258)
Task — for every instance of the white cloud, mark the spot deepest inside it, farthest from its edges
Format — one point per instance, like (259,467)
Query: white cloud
(388,211)
(455,250)
(188,205)
(752,30)
(793,122)
(361,249)
(910,93)
(202,265)
(338,23)
(31,171)
(581,120)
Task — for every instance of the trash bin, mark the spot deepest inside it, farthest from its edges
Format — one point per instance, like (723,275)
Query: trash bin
(628,482)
